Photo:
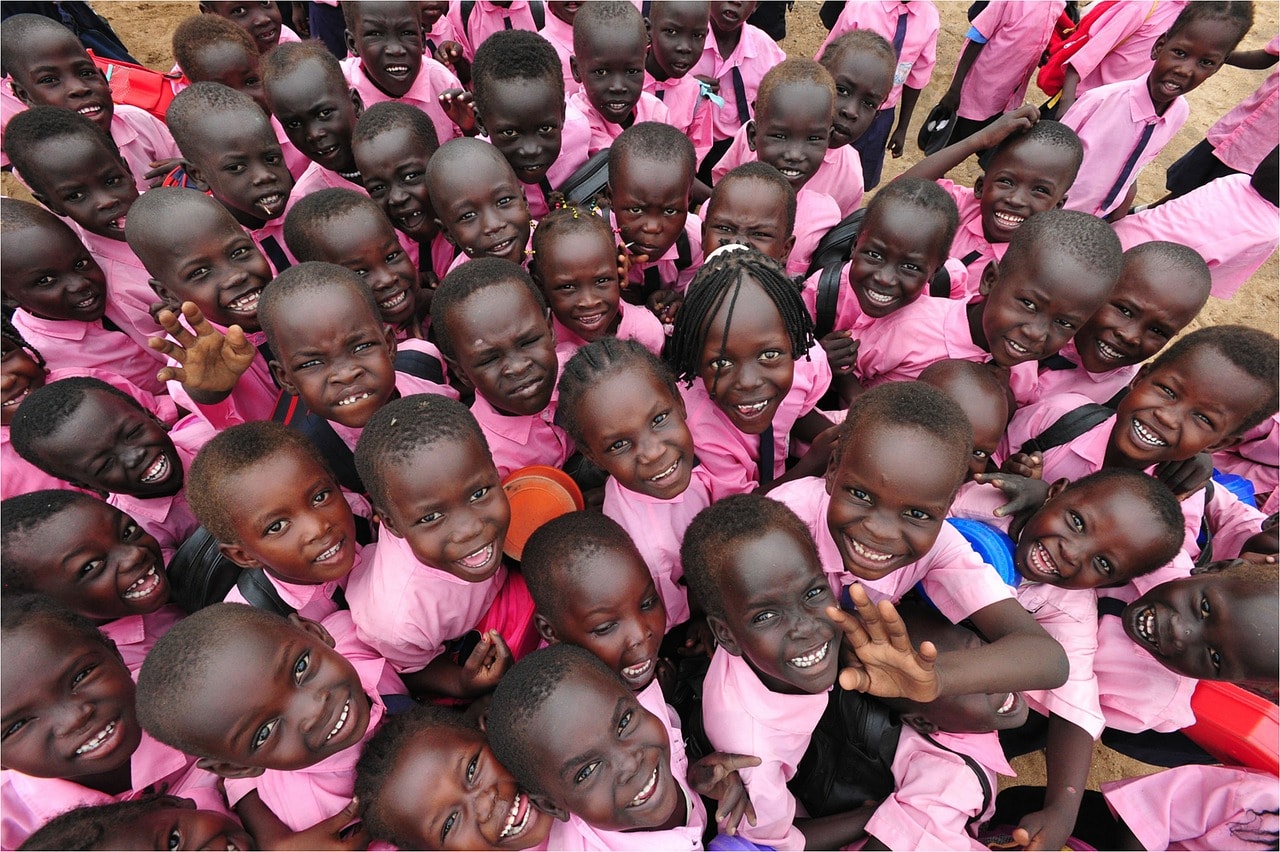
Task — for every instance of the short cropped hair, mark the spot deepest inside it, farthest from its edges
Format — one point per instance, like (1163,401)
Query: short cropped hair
(289,56)
(18,611)
(304,281)
(764,173)
(1252,351)
(1052,133)
(28,130)
(23,516)
(797,69)
(712,539)
(867,41)
(391,115)
(232,451)
(1086,239)
(198,102)
(194,34)
(601,15)
(87,827)
(468,279)
(514,55)
(152,212)
(304,225)
(406,426)
(600,359)
(19,31)
(924,195)
(913,404)
(1180,257)
(520,695)
(456,155)
(47,409)
(18,215)
(559,549)
(651,141)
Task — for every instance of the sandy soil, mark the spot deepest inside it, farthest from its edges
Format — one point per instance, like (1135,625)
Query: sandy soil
(145,27)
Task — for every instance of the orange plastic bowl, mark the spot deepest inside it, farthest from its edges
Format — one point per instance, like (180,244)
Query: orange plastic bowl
(538,493)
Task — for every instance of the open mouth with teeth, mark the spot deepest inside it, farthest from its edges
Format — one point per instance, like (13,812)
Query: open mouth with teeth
(518,818)
(1007,221)
(1107,352)
(666,474)
(116,224)
(590,322)
(341,723)
(398,299)
(17,398)
(89,303)
(330,553)
(1142,625)
(98,740)
(245,303)
(501,249)
(640,673)
(476,564)
(1145,437)
(158,471)
(271,205)
(647,791)
(145,586)
(751,410)
(1041,562)
(869,558)
(94,112)
(352,399)
(811,659)
(1009,705)
(397,71)
(791,174)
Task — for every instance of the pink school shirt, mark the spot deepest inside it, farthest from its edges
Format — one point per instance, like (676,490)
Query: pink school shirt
(576,834)
(1198,807)
(294,160)
(518,441)
(315,178)
(1120,42)
(732,457)
(938,794)
(407,611)
(311,601)
(487,18)
(27,802)
(673,275)
(1098,387)
(1226,220)
(142,139)
(603,132)
(816,213)
(753,56)
(1256,457)
(1110,121)
(687,110)
(743,716)
(1244,136)
(128,288)
(919,45)
(1017,32)
(657,527)
(169,519)
(83,346)
(637,323)
(970,237)
(956,579)
(274,228)
(1137,692)
(839,176)
(441,31)
(432,79)
(135,634)
(19,476)
(303,797)
(560,35)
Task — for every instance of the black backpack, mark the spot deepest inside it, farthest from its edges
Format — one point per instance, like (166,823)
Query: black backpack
(588,181)
(850,755)
(199,575)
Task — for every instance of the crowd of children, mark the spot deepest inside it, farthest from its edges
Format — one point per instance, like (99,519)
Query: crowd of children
(880,492)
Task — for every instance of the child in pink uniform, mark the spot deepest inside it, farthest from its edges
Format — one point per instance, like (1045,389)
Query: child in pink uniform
(1119,47)
(392,144)
(93,559)
(209,272)
(558,31)
(734,59)
(677,36)
(1060,268)
(984,398)
(388,65)
(214,126)
(592,755)
(1031,168)
(1230,221)
(651,176)
(62,298)
(438,563)
(1162,287)
(317,109)
(1256,457)
(621,407)
(520,106)
(48,66)
(948,754)
(912,28)
(266,494)
(137,824)
(1124,126)
(96,436)
(76,171)
(347,228)
(73,737)
(278,707)
(752,205)
(877,518)
(576,266)
(609,45)
(263,23)
(743,347)
(495,331)
(428,780)
(485,18)
(478,202)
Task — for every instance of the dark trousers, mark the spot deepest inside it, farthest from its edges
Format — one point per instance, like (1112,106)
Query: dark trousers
(328,26)
(870,146)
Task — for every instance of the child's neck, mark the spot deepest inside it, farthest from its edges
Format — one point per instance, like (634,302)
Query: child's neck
(655,70)
(246,220)
(727,40)
(974,312)
(1162,106)
(113,782)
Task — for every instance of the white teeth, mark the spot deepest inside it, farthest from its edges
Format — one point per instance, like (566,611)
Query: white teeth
(878,297)
(395,301)
(89,110)
(639,670)
(480,557)
(17,399)
(753,407)
(329,554)
(118,223)
(810,660)
(86,302)
(867,553)
(674,465)
(512,827)
(790,173)
(1148,437)
(353,399)
(269,202)
(1010,219)
(590,320)
(158,471)
(342,721)
(1009,703)
(138,590)
(1107,352)
(1041,561)
(1146,625)
(246,303)
(397,69)
(1017,347)
(97,740)
(647,790)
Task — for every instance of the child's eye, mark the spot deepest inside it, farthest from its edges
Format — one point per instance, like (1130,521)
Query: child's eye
(274,528)
(90,567)
(842,92)
(376,190)
(586,772)
(567,287)
(870,103)
(430,518)
(79,677)
(479,493)
(114,180)
(314,362)
(763,617)
(1028,304)
(471,769)
(72,197)
(1076,522)
(1124,311)
(13,728)
(47,80)
(261,736)
(604,629)
(1065,323)
(672,211)
(625,721)
(661,418)
(649,603)
(174,840)
(981,455)
(321,497)
(720,363)
(771,355)
(45,281)
(1205,609)
(1158,331)
(234,168)
(912,268)
(872,255)
(815,592)
(300,667)
(448,826)
(918,515)
(546,128)
(1105,566)
(859,494)
(617,446)
(1215,660)
(364,347)
(394,257)
(130,530)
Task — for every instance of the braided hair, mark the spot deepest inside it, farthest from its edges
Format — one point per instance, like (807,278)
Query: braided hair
(599,359)
(9,332)
(718,283)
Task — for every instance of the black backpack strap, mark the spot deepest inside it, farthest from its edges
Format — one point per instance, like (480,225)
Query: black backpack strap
(836,245)
(828,298)
(684,252)
(419,364)
(740,95)
(293,413)
(970,257)
(983,780)
(1114,402)
(467,7)
(260,593)
(1110,606)
(588,180)
(1068,427)
(940,284)
(539,13)
(199,575)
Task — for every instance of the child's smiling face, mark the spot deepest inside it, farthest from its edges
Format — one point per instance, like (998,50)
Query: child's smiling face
(1185,60)
(260,19)
(240,160)
(20,374)
(87,182)
(898,250)
(791,130)
(49,272)
(677,33)
(1025,178)
(863,82)
(482,207)
(176,824)
(611,70)
(393,166)
(524,119)
(578,273)
(363,241)
(318,114)
(61,74)
(388,39)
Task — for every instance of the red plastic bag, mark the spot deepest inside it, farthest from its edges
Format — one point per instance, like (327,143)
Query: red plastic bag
(1066,41)
(138,86)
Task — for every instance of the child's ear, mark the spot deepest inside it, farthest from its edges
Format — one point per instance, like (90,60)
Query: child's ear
(977,188)
(390,336)
(227,769)
(724,637)
(919,722)
(237,554)
(990,275)
(1062,202)
(54,207)
(573,69)
(1158,46)
(282,377)
(1056,488)
(357,101)
(480,123)
(544,628)
(751,134)
(315,628)
(19,91)
(788,246)
(829,478)
(546,805)
(351,42)
(385,520)
(164,294)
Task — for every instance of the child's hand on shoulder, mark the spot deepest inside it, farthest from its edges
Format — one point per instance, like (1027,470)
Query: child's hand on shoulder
(881,660)
(716,776)
(1186,477)
(488,662)
(841,349)
(460,106)
(1030,465)
(1025,494)
(1014,121)
(332,833)
(209,362)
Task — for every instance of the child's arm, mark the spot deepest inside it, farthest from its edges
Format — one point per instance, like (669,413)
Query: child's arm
(270,833)
(951,99)
(461,108)
(209,363)
(716,776)
(486,665)
(898,141)
(1067,758)
(936,166)
(837,830)
(1254,60)
(1070,81)
(1020,656)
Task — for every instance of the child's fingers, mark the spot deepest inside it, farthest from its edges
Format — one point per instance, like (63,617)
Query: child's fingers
(853,630)
(894,628)
(854,679)
(869,615)
(501,650)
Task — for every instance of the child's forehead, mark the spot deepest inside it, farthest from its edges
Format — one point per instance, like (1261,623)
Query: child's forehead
(385,10)
(636,172)
(761,195)
(218,130)
(1023,152)
(309,78)
(226,54)
(861,67)
(476,307)
(48,232)
(46,46)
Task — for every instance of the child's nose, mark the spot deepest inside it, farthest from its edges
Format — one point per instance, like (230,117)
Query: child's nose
(75,718)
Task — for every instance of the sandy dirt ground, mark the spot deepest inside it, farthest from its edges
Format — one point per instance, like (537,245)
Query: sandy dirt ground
(145,28)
